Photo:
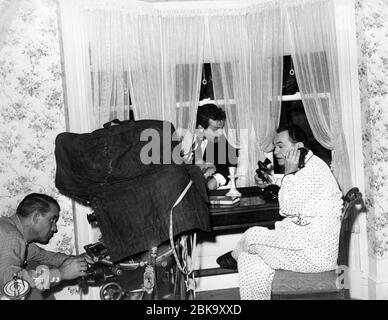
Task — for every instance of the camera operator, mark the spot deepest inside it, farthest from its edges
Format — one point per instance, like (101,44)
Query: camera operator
(35,221)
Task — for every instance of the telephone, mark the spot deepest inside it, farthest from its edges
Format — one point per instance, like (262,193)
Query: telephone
(270,193)
(302,157)
(263,170)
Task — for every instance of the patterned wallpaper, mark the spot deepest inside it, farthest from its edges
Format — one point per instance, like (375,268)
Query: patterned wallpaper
(31,115)
(372,35)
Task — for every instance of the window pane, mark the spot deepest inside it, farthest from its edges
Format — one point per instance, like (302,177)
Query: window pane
(97,79)
(223,80)
(290,85)
(183,82)
(207,91)
(315,63)
(183,114)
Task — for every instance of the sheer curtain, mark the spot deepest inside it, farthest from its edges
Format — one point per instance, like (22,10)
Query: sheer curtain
(109,71)
(166,55)
(8,10)
(146,57)
(314,52)
(230,63)
(247,73)
(149,56)
(267,62)
(156,54)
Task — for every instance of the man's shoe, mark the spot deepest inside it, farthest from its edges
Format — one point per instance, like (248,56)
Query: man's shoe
(226,261)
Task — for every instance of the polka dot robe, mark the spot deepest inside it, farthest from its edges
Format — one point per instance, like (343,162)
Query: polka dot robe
(306,240)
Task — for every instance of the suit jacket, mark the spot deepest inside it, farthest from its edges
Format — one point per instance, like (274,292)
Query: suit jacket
(222,154)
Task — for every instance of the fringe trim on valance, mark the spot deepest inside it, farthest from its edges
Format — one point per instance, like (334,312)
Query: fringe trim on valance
(181,9)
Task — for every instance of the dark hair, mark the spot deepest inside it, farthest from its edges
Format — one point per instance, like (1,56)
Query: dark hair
(36,202)
(295,133)
(209,111)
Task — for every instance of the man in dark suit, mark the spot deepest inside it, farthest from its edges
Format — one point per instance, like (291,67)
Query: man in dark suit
(211,150)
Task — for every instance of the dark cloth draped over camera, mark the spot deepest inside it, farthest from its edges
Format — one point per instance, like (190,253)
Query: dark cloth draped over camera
(134,216)
(88,162)
(131,198)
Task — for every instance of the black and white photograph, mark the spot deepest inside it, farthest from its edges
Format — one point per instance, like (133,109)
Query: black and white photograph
(208,152)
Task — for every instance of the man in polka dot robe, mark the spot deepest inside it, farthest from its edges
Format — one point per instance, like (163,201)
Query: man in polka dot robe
(306,240)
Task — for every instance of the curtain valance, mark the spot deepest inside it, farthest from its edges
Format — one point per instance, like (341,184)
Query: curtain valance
(182,8)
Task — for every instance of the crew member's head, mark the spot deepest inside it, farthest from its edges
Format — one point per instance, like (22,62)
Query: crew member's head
(287,138)
(210,122)
(40,214)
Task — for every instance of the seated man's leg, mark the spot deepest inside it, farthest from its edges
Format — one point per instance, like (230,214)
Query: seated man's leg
(257,268)
(247,238)
(259,252)
(255,277)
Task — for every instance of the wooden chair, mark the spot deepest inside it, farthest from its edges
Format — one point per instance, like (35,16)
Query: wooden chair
(324,285)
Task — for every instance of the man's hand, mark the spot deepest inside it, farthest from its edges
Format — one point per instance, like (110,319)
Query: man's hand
(291,161)
(260,183)
(88,259)
(211,184)
(73,267)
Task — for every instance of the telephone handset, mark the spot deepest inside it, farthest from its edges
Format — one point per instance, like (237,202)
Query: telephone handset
(302,157)
(269,193)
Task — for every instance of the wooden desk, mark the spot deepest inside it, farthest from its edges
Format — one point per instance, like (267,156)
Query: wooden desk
(252,210)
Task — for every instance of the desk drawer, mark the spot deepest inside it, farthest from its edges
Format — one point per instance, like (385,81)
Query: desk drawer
(244,217)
